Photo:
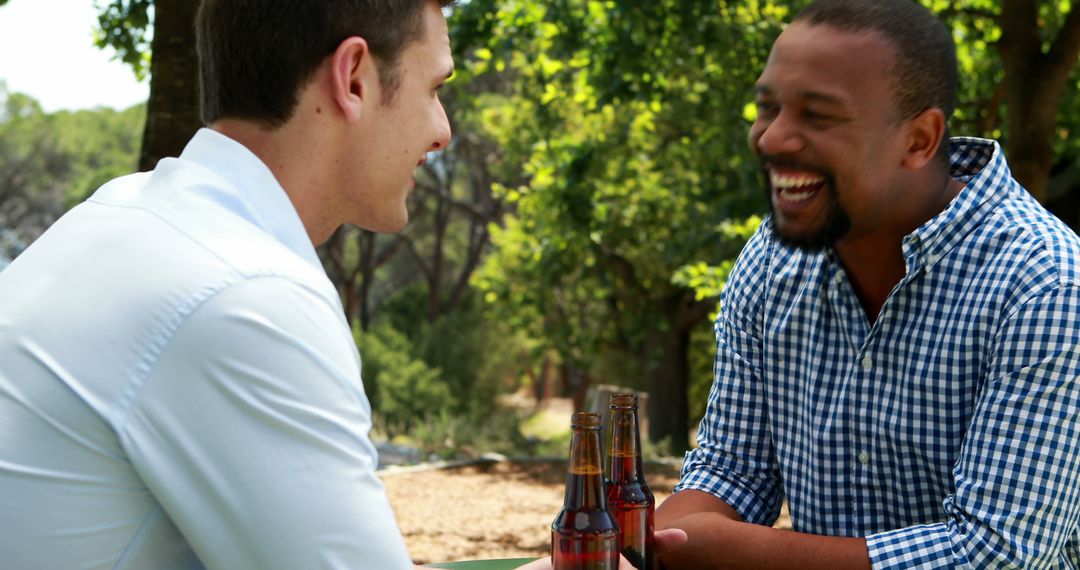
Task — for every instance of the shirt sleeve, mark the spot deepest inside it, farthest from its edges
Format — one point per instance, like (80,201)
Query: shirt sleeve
(1017,501)
(251,430)
(735,460)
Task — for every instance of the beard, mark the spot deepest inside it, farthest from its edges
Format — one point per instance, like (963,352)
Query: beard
(835,221)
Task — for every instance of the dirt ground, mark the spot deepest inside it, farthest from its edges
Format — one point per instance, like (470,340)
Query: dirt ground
(501,510)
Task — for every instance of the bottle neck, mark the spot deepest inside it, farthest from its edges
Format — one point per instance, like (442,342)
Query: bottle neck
(624,457)
(584,482)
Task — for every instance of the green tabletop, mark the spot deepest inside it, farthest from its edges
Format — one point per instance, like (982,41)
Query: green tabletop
(500,564)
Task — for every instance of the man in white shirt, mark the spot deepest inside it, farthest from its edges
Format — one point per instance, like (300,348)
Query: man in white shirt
(178,386)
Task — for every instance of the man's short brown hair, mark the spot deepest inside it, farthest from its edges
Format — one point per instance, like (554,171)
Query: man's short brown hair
(255,56)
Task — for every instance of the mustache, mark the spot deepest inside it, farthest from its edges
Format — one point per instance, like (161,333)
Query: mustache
(788,163)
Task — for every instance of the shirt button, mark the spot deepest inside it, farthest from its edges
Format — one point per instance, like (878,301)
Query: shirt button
(867,363)
(864,458)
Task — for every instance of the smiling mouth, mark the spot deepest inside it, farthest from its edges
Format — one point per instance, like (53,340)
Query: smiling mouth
(795,186)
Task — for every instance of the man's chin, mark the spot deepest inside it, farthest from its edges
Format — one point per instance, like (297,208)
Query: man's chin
(809,244)
(831,226)
(811,241)
(384,226)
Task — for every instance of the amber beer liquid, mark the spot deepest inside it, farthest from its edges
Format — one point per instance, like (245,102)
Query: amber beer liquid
(584,536)
(629,497)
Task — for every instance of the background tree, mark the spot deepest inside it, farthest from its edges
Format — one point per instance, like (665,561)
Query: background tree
(1018,61)
(168,54)
(627,184)
(51,161)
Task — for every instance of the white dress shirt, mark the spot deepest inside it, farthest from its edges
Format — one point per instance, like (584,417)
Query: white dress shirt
(179,388)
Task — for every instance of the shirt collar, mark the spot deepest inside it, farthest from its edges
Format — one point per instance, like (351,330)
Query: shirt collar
(981,166)
(267,204)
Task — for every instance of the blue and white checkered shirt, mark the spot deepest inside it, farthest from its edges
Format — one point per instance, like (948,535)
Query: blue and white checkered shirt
(948,431)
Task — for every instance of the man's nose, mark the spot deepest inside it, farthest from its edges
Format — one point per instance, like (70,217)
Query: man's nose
(442,134)
(780,136)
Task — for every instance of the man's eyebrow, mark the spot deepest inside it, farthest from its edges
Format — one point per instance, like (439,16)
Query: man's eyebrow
(823,98)
(765,90)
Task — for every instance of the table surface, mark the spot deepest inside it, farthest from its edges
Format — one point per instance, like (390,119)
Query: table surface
(500,564)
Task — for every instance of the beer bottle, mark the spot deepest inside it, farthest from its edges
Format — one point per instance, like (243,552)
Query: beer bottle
(584,535)
(629,497)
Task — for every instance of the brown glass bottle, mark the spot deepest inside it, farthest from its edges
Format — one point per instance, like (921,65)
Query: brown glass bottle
(584,536)
(629,497)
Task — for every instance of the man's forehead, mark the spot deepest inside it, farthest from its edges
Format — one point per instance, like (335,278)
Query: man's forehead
(807,41)
(823,63)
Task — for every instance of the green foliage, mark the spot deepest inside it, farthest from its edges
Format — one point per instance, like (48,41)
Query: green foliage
(102,144)
(706,280)
(49,162)
(477,357)
(624,187)
(404,390)
(125,26)
(437,384)
(449,436)
(981,110)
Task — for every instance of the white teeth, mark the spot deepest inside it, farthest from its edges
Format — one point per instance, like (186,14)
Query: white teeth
(792,182)
(794,196)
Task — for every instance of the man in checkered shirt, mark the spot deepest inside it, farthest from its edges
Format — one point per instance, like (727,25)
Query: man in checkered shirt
(897,348)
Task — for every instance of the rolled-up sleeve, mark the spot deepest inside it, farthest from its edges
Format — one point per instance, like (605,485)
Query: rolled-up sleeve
(735,460)
(1017,497)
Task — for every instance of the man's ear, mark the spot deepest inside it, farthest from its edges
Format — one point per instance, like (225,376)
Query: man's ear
(354,77)
(926,133)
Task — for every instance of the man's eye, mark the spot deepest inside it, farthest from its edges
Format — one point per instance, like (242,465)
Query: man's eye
(767,108)
(816,116)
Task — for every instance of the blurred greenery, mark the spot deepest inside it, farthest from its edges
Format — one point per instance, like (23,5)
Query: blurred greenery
(437,384)
(51,161)
(124,25)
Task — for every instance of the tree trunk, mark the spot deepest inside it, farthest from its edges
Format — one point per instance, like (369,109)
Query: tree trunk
(669,410)
(1034,83)
(438,255)
(172,112)
(668,413)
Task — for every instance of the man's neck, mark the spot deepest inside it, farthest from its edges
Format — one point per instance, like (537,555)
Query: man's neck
(295,161)
(875,262)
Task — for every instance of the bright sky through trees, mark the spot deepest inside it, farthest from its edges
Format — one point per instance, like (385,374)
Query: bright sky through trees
(47,51)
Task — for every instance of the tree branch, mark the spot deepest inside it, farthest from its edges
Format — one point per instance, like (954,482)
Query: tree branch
(694,311)
(1019,30)
(622,267)
(416,255)
(1065,50)
(389,252)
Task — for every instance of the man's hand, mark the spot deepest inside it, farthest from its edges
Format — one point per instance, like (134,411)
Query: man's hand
(665,541)
(718,539)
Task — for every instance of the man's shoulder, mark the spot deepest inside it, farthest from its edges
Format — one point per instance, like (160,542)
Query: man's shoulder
(190,216)
(1040,242)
